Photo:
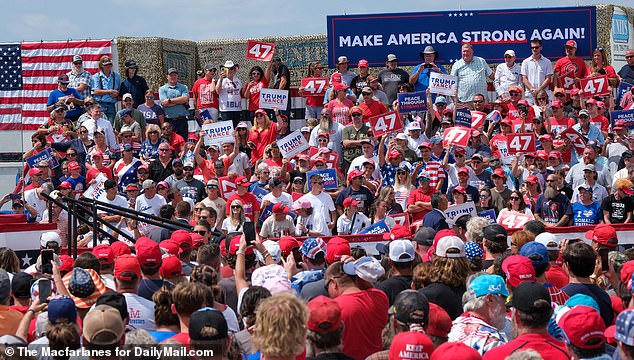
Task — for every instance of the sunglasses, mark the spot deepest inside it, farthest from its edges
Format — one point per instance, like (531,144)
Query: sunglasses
(514,94)
(514,198)
(535,47)
(201,232)
(259,115)
(236,207)
(83,132)
(317,182)
(560,95)
(203,217)
(164,149)
(542,98)
(478,101)
(142,172)
(323,140)
(71,154)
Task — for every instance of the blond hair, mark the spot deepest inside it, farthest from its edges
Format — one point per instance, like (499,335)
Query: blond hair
(280,326)
(152,128)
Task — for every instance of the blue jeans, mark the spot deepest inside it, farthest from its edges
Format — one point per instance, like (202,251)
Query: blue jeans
(109,110)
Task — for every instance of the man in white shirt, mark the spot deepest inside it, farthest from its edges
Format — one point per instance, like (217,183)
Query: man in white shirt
(277,194)
(214,201)
(37,201)
(112,197)
(322,204)
(507,75)
(95,122)
(149,202)
(367,149)
(234,160)
(537,73)
(127,275)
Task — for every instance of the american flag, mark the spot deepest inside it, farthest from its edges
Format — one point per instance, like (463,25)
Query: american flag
(29,71)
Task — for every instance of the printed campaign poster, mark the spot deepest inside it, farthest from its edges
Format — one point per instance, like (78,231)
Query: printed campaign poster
(412,102)
(489,215)
(453,212)
(376,228)
(271,98)
(623,115)
(292,144)
(329,177)
(43,155)
(218,133)
(443,84)
(96,191)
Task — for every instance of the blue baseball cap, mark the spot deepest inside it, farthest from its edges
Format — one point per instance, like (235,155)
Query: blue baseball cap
(625,327)
(488,284)
(535,248)
(440,99)
(62,307)
(124,112)
(312,246)
(351,267)
(582,299)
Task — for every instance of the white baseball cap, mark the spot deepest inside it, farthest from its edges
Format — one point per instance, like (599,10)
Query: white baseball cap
(46,237)
(450,242)
(274,250)
(402,251)
(509,52)
(548,238)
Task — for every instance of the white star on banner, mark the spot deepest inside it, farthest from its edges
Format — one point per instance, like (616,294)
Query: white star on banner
(26,260)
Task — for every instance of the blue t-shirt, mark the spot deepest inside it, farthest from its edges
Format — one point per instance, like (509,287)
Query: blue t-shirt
(170,92)
(423,78)
(79,184)
(151,114)
(586,215)
(54,96)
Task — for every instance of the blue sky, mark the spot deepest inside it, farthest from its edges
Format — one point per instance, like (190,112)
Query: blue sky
(203,19)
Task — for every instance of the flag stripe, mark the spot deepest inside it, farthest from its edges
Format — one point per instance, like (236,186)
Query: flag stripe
(42,63)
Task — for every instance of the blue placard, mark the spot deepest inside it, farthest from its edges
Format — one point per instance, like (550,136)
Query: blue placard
(623,88)
(43,155)
(376,228)
(266,212)
(329,177)
(623,115)
(463,117)
(259,193)
(489,215)
(412,102)
(205,115)
(492,32)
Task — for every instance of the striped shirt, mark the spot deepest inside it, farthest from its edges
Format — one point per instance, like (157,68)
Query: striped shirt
(472,77)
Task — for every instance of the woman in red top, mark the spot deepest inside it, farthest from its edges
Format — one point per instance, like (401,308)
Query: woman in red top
(600,62)
(340,106)
(262,134)
(277,163)
(314,104)
(259,79)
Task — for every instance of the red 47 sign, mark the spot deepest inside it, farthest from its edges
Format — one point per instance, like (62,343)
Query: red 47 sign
(260,51)
(513,219)
(594,86)
(386,123)
(577,140)
(401,219)
(521,143)
(314,86)
(458,136)
(477,119)
(227,188)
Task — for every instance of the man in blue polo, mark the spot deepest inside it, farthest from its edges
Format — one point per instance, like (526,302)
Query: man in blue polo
(174,98)
(66,97)
(105,87)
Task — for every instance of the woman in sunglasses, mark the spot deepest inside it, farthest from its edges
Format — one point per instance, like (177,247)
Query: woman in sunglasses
(516,203)
(262,134)
(76,149)
(258,79)
(149,148)
(314,104)
(236,218)
(58,126)
(601,62)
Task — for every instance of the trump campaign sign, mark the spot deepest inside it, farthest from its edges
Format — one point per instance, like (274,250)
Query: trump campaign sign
(443,84)
(623,115)
(492,32)
(292,144)
(271,98)
(412,102)
(218,133)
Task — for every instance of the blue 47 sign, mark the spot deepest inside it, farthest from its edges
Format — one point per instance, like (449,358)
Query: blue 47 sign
(492,32)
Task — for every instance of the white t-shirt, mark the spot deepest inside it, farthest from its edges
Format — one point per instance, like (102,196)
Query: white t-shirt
(226,225)
(141,312)
(312,224)
(285,199)
(322,206)
(230,99)
(360,222)
(30,196)
(357,164)
(118,201)
(220,206)
(149,206)
(239,165)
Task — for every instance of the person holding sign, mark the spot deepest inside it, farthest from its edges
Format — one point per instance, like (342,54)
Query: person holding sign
(228,90)
(515,203)
(339,107)
(419,78)
(282,80)
(570,68)
(314,104)
(261,135)
(586,211)
(258,79)
(370,106)
(204,91)
(419,201)
(351,221)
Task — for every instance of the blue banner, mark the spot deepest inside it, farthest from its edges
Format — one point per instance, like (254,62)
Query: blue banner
(412,102)
(266,212)
(623,88)
(329,177)
(489,215)
(376,228)
(43,155)
(463,117)
(623,115)
(259,193)
(492,32)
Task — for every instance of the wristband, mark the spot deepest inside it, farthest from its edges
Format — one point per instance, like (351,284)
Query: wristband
(240,252)
(265,254)
(31,310)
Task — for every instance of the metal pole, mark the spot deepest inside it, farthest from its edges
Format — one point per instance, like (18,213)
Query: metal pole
(75,230)
(95,225)
(69,232)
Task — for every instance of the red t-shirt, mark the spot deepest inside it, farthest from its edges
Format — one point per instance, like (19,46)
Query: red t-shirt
(558,126)
(418,195)
(496,142)
(251,204)
(254,94)
(182,338)
(547,346)
(601,122)
(93,172)
(372,109)
(364,315)
(567,70)
(177,142)
(261,139)
(340,110)
(206,98)
(609,71)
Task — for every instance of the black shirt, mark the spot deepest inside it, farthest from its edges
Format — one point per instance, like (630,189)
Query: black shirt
(618,209)
(601,297)
(447,297)
(394,285)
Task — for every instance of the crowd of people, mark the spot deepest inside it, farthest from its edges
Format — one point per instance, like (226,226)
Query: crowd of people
(298,287)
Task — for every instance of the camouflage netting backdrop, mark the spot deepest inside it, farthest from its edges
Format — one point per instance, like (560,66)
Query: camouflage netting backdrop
(155,55)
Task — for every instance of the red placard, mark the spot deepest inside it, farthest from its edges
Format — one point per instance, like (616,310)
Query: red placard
(457,135)
(386,123)
(260,51)
(577,140)
(595,86)
(513,219)
(330,156)
(477,119)
(314,86)
(227,188)
(521,143)
(401,219)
